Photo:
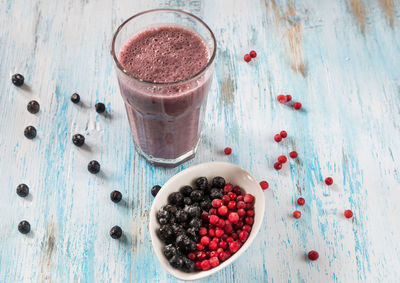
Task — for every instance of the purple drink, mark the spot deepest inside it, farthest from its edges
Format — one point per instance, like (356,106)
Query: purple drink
(164,73)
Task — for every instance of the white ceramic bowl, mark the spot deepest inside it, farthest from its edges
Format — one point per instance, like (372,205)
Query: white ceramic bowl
(232,174)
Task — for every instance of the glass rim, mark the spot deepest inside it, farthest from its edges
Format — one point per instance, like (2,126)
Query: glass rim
(118,64)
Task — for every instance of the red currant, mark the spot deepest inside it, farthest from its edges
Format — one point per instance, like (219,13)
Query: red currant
(283,134)
(253,54)
(278,165)
(281,98)
(296,214)
(288,97)
(282,159)
(313,255)
(247,58)
(348,213)
(278,138)
(329,181)
(228,150)
(205,265)
(264,185)
(297,105)
(293,154)
(301,201)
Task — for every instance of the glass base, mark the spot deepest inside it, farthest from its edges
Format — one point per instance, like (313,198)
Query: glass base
(168,162)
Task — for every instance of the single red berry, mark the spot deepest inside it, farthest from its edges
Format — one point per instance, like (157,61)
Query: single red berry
(211,232)
(239,224)
(205,265)
(278,165)
(213,253)
(234,246)
(199,247)
(226,199)
(288,97)
(223,256)
(214,219)
(249,220)
(204,217)
(221,223)
(229,240)
(282,159)
(201,255)
(228,188)
(232,204)
(223,210)
(241,212)
(215,239)
(249,198)
(223,244)
(237,190)
(313,255)
(297,105)
(348,213)
(281,98)
(216,203)
(212,211)
(283,134)
(198,265)
(247,228)
(247,57)
(264,185)
(243,235)
(250,212)
(233,217)
(220,250)
(239,198)
(278,138)
(301,201)
(228,150)
(213,245)
(219,232)
(203,231)
(232,195)
(253,54)
(214,261)
(191,256)
(205,240)
(329,181)
(228,228)
(293,154)
(249,205)
(235,236)
(240,204)
(296,214)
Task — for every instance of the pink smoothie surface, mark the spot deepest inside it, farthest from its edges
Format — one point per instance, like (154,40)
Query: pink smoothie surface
(165,120)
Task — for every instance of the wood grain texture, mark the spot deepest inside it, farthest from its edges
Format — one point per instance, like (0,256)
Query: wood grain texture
(339,58)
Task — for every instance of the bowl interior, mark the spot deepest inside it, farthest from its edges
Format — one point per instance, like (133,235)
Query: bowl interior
(233,174)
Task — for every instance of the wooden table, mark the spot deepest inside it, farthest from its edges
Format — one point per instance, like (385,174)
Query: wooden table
(340,59)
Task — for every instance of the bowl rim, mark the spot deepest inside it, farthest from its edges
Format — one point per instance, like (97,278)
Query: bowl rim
(259,216)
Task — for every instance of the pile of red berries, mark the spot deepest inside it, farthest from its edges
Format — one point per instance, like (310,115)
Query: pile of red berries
(225,228)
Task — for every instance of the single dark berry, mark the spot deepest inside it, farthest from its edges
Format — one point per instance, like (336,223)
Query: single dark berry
(247,58)
(24,227)
(33,107)
(348,213)
(186,190)
(192,234)
(116,232)
(78,139)
(22,190)
(197,195)
(187,201)
(193,211)
(293,154)
(176,262)
(166,234)
(301,201)
(100,107)
(329,181)
(155,189)
(253,54)
(116,196)
(181,216)
(188,265)
(218,182)
(175,198)
(313,255)
(169,251)
(297,105)
(75,98)
(163,214)
(281,98)
(195,223)
(205,204)
(228,150)
(30,132)
(94,167)
(178,229)
(216,193)
(202,183)
(17,79)
(264,185)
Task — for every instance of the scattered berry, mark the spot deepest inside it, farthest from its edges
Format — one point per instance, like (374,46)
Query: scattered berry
(116,196)
(24,227)
(33,107)
(17,79)
(94,167)
(313,255)
(247,57)
(155,189)
(301,201)
(348,213)
(100,107)
(78,140)
(282,159)
(22,190)
(253,54)
(293,154)
(264,185)
(228,150)
(297,105)
(278,165)
(30,132)
(278,138)
(288,97)
(329,181)
(116,232)
(281,98)
(75,98)
(283,134)
(296,214)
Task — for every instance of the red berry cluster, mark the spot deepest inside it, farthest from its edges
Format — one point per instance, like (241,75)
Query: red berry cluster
(225,228)
(248,57)
(286,98)
(280,136)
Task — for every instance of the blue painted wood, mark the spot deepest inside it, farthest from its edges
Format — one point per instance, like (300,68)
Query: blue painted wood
(339,58)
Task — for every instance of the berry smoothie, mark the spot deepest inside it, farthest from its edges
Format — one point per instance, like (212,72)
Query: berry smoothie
(166,99)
